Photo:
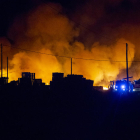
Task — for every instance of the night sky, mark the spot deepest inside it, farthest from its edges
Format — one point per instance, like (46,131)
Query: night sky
(94,16)
(9,9)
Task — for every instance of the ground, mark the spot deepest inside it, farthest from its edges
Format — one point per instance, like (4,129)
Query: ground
(46,115)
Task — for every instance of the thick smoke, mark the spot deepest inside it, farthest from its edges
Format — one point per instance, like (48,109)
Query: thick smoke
(46,30)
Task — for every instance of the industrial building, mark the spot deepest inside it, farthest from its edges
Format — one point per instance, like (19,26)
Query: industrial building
(28,79)
(70,82)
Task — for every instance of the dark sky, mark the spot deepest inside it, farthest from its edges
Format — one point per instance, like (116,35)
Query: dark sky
(92,16)
(9,9)
(104,21)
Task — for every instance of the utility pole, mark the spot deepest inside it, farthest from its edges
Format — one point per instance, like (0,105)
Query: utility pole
(71,66)
(127,67)
(7,69)
(1,60)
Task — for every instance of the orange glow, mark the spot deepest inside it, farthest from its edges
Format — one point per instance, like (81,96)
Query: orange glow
(44,65)
(47,31)
(105,88)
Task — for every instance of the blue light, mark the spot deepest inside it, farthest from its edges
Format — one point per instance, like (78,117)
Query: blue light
(123,87)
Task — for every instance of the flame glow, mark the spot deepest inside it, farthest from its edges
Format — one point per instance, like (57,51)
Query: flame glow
(105,88)
(48,32)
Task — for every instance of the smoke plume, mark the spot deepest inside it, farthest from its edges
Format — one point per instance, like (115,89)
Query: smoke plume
(47,30)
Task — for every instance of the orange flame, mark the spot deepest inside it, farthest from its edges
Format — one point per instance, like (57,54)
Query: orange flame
(47,31)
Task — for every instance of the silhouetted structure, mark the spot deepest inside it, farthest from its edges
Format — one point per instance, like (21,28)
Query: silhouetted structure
(57,76)
(57,82)
(27,79)
(38,82)
(99,88)
(3,81)
(70,109)
(77,81)
(14,83)
(71,82)
(1,61)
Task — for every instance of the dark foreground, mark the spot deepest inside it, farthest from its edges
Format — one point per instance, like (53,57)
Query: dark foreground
(38,113)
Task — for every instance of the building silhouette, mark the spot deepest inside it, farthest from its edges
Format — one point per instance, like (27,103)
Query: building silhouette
(72,82)
(28,79)
(3,81)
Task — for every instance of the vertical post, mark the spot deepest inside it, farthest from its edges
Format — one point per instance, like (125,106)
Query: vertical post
(34,75)
(7,69)
(71,66)
(127,67)
(1,60)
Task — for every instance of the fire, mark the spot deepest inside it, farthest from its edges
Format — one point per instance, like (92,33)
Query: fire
(105,88)
(52,35)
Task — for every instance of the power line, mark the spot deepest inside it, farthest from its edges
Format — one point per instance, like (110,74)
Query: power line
(70,56)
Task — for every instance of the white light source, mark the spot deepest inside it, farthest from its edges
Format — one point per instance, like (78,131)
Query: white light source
(123,86)
(105,88)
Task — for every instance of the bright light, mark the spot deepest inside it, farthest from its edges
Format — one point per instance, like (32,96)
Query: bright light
(123,86)
(114,86)
(105,88)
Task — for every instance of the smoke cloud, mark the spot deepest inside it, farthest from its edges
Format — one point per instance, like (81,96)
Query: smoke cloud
(47,30)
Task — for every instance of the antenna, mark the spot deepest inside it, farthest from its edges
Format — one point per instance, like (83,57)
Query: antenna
(127,66)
